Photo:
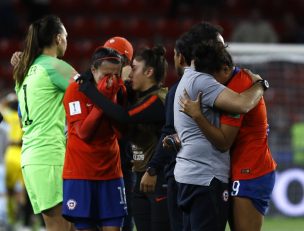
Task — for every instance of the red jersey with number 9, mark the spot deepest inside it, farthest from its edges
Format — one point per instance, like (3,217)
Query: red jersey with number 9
(250,153)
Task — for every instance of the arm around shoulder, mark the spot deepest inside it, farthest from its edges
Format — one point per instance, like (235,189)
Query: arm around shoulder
(233,102)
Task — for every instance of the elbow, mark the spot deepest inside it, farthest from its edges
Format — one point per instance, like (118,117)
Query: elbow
(85,137)
(126,119)
(223,149)
(246,105)
(223,146)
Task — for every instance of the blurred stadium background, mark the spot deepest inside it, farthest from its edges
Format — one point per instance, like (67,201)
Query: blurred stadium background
(146,22)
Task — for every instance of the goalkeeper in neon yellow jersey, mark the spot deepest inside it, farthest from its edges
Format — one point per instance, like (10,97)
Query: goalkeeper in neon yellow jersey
(41,80)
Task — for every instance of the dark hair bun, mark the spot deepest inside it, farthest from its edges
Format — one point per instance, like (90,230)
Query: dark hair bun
(159,50)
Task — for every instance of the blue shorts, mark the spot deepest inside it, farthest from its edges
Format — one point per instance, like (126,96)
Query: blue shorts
(94,203)
(258,190)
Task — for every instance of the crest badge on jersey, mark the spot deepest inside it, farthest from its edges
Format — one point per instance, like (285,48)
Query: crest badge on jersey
(225,195)
(71,204)
(75,108)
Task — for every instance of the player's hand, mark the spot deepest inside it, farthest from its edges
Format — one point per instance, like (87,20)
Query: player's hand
(104,85)
(16,57)
(190,107)
(172,142)
(126,70)
(109,85)
(147,183)
(83,77)
(254,77)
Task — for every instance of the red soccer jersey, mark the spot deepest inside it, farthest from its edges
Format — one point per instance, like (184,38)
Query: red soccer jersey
(97,159)
(250,154)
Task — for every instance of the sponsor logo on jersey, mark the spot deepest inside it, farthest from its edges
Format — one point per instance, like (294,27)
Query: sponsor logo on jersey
(245,171)
(138,157)
(160,198)
(138,153)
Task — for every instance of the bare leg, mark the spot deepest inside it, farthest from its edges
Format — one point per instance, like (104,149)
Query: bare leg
(54,221)
(246,216)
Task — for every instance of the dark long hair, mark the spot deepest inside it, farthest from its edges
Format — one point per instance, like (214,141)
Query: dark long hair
(41,34)
(203,31)
(210,56)
(155,58)
(102,54)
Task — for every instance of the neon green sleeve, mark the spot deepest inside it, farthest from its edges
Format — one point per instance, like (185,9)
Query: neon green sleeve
(60,74)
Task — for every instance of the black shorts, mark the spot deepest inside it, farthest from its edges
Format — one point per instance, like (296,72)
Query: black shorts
(150,210)
(205,208)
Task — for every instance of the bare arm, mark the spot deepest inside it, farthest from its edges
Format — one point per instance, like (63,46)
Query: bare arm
(233,102)
(222,137)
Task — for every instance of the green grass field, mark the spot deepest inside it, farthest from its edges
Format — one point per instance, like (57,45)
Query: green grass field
(282,224)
